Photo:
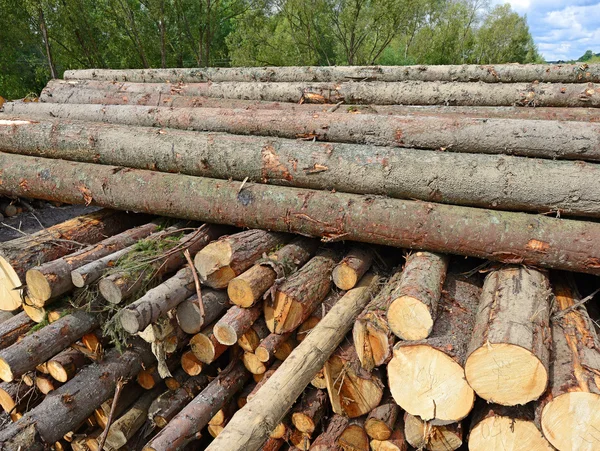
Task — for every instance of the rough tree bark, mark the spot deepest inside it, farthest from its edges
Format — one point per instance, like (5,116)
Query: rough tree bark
(189,315)
(221,261)
(52,279)
(413,309)
(353,266)
(65,365)
(427,377)
(205,345)
(12,329)
(235,323)
(251,426)
(499,181)
(67,407)
(569,412)
(327,440)
(41,345)
(247,288)
(310,410)
(509,353)
(500,236)
(498,73)
(380,421)
(307,326)
(21,254)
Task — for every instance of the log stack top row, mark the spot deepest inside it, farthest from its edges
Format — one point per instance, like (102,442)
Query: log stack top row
(450,304)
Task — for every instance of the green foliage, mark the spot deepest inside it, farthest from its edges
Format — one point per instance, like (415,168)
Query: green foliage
(42,38)
(589,57)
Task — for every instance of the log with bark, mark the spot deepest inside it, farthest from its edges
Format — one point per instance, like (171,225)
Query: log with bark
(380,421)
(221,261)
(17,397)
(21,254)
(235,323)
(185,426)
(193,317)
(307,326)
(497,73)
(353,391)
(354,437)
(205,345)
(12,329)
(269,346)
(250,340)
(310,410)
(569,412)
(500,236)
(427,377)
(501,181)
(66,364)
(372,337)
(423,435)
(381,93)
(45,343)
(70,405)
(46,384)
(52,279)
(301,293)
(413,309)
(247,288)
(511,428)
(251,426)
(128,395)
(191,364)
(353,266)
(327,440)
(509,353)
(122,284)
(396,441)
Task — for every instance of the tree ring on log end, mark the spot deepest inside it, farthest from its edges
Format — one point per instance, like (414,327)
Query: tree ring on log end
(38,287)
(225,334)
(212,264)
(420,435)
(10,299)
(409,318)
(506,374)
(203,348)
(240,292)
(36,314)
(509,434)
(111,292)
(572,421)
(252,363)
(57,371)
(129,321)
(77,279)
(344,277)
(429,384)
(6,373)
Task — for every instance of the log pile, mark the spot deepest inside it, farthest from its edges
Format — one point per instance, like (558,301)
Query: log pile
(449,305)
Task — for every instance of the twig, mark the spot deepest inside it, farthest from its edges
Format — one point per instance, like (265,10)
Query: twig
(562,313)
(335,107)
(113,407)
(13,228)
(188,257)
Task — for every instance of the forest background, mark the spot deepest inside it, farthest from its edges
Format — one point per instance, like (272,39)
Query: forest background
(39,39)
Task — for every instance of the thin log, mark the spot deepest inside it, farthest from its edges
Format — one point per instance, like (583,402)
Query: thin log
(21,254)
(500,427)
(235,323)
(247,288)
(307,326)
(12,329)
(269,407)
(221,261)
(354,437)
(498,236)
(310,410)
(302,292)
(382,93)
(498,73)
(569,412)
(396,442)
(66,408)
(440,394)
(189,313)
(423,435)
(191,364)
(372,337)
(509,353)
(254,365)
(65,365)
(46,384)
(253,336)
(327,440)
(41,345)
(414,307)
(299,440)
(353,266)
(17,397)
(122,284)
(205,345)
(380,422)
(184,427)
(268,347)
(129,394)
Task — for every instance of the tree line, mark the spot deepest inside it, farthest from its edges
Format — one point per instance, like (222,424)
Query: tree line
(39,39)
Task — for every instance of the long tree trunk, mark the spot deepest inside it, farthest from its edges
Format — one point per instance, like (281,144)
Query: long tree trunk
(427,377)
(44,30)
(509,353)
(500,181)
(500,236)
(268,408)
(413,309)
(70,405)
(499,73)
(534,138)
(383,93)
(41,345)
(52,279)
(21,254)
(569,412)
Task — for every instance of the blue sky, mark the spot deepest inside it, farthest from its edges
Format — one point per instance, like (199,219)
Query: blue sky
(561,29)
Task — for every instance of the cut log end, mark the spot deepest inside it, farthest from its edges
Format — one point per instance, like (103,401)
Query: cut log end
(506,433)
(422,435)
(212,264)
(38,286)
(506,374)
(409,318)
(35,313)
(345,277)
(428,383)
(253,364)
(191,364)
(354,438)
(78,279)
(225,334)
(57,371)
(562,421)
(240,292)
(10,299)
(6,373)
(110,291)
(130,321)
